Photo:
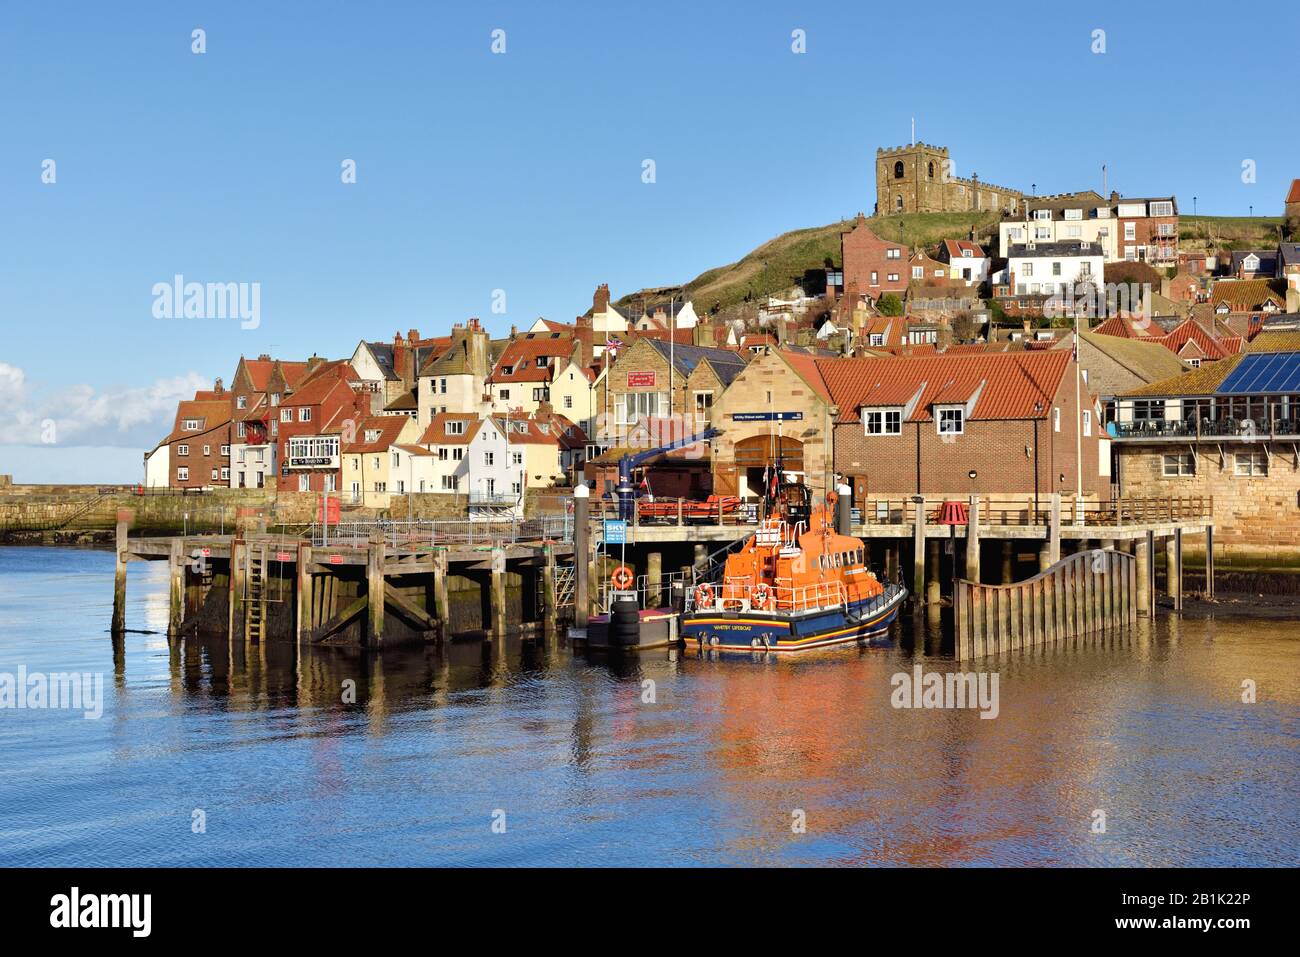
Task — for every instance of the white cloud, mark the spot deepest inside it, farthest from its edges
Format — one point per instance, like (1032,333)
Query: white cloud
(81,415)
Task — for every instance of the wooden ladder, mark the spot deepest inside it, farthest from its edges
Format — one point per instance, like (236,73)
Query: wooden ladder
(254,602)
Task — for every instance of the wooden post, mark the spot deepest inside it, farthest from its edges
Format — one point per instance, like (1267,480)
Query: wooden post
(236,604)
(303,617)
(1044,557)
(375,555)
(124,517)
(1209,562)
(549,609)
(1143,555)
(176,591)
(1054,531)
(1007,561)
(918,550)
(1175,566)
(441,598)
(960,613)
(932,572)
(973,540)
(581,555)
(497,594)
(654,573)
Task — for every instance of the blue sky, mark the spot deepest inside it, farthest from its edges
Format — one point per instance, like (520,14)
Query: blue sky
(522,171)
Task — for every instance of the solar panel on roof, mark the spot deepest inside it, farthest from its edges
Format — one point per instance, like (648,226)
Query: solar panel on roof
(1267,372)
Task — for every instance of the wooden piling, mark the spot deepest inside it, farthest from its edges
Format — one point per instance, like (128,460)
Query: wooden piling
(235,623)
(581,555)
(550,610)
(1209,561)
(441,596)
(1054,531)
(654,571)
(305,598)
(176,589)
(497,592)
(1174,568)
(1143,569)
(932,560)
(375,556)
(973,539)
(918,549)
(124,518)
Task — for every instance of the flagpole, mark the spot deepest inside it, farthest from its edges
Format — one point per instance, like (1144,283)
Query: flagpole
(1078,420)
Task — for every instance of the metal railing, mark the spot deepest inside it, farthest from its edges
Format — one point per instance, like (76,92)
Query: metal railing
(1193,428)
(724,510)
(737,594)
(446,532)
(1124,510)
(650,591)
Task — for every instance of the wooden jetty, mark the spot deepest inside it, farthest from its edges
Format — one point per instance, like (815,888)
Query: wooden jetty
(365,585)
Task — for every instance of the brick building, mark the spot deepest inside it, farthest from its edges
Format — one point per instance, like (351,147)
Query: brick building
(920,178)
(871,264)
(923,424)
(198,446)
(321,414)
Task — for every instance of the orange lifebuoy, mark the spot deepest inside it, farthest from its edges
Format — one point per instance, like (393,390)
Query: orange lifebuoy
(703,595)
(622,577)
(760,596)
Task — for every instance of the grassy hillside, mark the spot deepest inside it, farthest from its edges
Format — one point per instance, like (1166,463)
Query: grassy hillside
(783,262)
(786,260)
(1232,232)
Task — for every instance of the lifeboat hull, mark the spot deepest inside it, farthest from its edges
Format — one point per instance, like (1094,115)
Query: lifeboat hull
(752,631)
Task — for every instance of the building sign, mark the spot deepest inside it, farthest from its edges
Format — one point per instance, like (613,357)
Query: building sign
(309,463)
(283,556)
(641,380)
(615,531)
(767,417)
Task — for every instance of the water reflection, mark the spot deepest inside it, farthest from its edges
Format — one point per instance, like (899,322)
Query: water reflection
(331,754)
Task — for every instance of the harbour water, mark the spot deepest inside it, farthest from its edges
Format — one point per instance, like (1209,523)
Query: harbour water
(516,754)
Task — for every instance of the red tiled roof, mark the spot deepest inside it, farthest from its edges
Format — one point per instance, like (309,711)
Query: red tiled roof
(388,426)
(521,358)
(211,413)
(955,247)
(1010,385)
(436,433)
(1294,195)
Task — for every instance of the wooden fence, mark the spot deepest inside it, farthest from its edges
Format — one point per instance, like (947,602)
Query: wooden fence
(1089,591)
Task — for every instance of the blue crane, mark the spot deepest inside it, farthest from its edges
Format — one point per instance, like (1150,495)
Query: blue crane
(626,492)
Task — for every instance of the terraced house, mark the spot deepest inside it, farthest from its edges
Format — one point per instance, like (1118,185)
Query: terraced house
(196,453)
(1230,430)
(314,421)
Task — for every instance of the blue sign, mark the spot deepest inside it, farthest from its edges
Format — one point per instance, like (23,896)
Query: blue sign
(767,417)
(615,532)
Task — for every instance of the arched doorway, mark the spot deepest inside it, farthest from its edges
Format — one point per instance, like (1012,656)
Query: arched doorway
(760,452)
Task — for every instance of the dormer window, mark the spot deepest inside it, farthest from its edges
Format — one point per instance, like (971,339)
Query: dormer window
(241,402)
(372,435)
(950,420)
(507,370)
(541,362)
(192,425)
(1042,214)
(882,421)
(456,427)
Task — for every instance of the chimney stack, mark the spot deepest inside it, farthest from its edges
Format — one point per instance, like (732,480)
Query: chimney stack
(218,387)
(600,301)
